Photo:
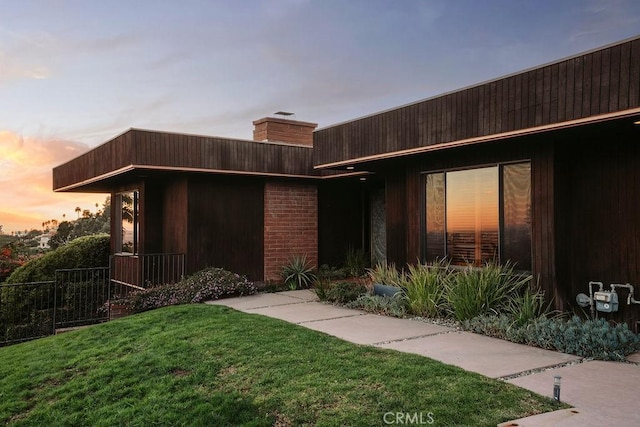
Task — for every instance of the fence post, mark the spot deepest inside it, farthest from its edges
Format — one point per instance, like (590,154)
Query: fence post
(55,303)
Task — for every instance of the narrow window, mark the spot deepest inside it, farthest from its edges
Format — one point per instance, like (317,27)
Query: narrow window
(516,223)
(127,217)
(435,215)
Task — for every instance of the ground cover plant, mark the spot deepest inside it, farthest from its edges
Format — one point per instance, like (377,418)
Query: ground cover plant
(211,365)
(592,338)
(208,284)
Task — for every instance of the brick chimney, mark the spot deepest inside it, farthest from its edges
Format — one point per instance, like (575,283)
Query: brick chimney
(273,129)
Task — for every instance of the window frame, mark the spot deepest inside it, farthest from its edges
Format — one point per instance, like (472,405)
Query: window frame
(501,206)
(119,249)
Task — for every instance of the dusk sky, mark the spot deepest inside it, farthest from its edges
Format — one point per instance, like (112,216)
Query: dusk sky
(74,74)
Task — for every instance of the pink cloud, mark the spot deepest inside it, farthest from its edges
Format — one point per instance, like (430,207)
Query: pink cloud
(26,182)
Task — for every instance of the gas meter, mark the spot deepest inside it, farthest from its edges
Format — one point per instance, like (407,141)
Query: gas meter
(606,301)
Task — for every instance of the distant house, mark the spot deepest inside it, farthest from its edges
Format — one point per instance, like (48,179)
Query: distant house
(540,168)
(43,240)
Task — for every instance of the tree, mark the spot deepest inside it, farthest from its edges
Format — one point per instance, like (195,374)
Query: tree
(62,235)
(78,210)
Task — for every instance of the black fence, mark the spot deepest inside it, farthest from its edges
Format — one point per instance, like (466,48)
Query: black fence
(80,297)
(33,310)
(26,311)
(148,270)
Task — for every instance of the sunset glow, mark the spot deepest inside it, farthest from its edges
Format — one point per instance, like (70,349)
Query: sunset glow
(26,182)
(74,74)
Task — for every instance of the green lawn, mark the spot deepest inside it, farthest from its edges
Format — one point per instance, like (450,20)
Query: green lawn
(213,366)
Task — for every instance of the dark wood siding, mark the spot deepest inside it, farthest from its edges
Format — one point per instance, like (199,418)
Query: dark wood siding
(404,192)
(226,224)
(599,82)
(174,225)
(598,206)
(585,204)
(160,150)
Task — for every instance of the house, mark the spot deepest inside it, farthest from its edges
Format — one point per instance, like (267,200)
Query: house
(43,240)
(540,168)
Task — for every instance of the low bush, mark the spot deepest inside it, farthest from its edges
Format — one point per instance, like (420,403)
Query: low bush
(356,262)
(424,286)
(486,290)
(340,292)
(395,306)
(83,252)
(595,339)
(298,273)
(327,273)
(385,274)
(207,284)
(527,307)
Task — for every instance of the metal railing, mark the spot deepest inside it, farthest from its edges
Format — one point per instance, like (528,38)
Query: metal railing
(148,270)
(33,310)
(26,311)
(81,297)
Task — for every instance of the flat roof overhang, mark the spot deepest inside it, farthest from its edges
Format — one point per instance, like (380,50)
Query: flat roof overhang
(625,118)
(142,154)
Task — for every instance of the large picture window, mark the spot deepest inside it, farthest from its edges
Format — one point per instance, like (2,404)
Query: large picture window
(127,218)
(479,215)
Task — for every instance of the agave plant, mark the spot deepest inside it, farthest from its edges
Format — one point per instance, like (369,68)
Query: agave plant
(298,273)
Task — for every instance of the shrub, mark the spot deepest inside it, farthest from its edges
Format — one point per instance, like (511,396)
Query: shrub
(424,287)
(385,274)
(298,273)
(586,338)
(356,262)
(207,284)
(529,306)
(395,306)
(83,252)
(487,290)
(343,292)
(325,272)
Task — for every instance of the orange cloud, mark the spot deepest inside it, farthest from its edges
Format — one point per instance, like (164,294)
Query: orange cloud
(26,194)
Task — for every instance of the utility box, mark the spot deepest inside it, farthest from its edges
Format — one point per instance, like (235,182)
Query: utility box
(606,302)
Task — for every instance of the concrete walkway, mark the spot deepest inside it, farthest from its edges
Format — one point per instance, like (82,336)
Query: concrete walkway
(602,393)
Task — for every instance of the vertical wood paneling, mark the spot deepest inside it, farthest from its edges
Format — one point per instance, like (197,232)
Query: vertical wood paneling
(586,86)
(568,87)
(225,219)
(634,75)
(623,86)
(613,90)
(596,73)
(595,83)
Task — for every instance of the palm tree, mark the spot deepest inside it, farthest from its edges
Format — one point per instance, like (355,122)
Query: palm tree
(78,210)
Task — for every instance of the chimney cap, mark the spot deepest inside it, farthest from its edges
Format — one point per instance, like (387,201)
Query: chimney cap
(283,113)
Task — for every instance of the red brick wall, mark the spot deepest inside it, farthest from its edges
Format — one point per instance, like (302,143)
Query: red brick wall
(290,225)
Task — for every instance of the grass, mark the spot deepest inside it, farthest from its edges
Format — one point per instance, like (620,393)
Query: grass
(211,365)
